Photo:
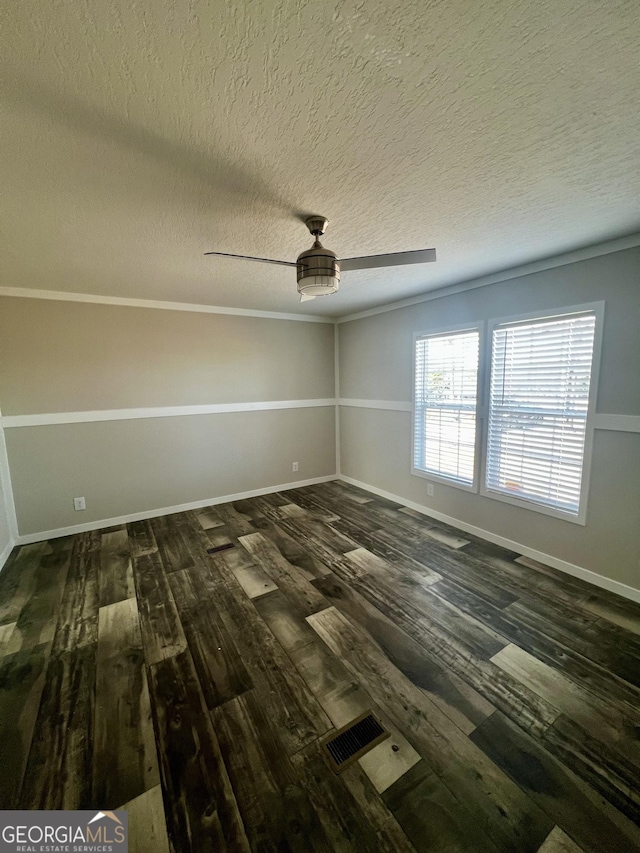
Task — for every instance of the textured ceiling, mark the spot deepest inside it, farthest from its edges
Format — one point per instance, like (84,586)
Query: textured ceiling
(138,134)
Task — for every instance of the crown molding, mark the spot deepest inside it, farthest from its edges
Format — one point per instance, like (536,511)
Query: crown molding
(606,248)
(69,296)
(584,254)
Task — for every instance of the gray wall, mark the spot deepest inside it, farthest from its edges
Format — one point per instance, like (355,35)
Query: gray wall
(376,364)
(61,357)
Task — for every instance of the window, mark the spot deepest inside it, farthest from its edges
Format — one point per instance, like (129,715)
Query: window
(509,414)
(539,399)
(446,381)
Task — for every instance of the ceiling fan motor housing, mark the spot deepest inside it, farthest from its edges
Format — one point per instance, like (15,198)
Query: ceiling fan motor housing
(318,271)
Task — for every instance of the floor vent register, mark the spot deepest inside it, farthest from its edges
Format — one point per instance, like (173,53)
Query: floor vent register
(352,741)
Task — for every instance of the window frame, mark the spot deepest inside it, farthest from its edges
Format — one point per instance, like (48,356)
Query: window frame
(485,329)
(427,475)
(597,308)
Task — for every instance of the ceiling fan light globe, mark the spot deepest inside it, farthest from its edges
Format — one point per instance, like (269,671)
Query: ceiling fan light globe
(318,285)
(318,271)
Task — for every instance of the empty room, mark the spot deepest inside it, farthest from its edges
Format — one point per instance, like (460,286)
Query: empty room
(360,575)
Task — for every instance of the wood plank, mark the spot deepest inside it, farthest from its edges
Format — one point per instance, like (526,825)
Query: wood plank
(339,695)
(255,581)
(274,500)
(329,544)
(60,543)
(293,510)
(409,537)
(201,809)
(461,703)
(539,642)
(22,677)
(431,816)
(321,500)
(581,588)
(498,688)
(141,538)
(286,621)
(236,522)
(338,692)
(450,539)
(125,763)
(58,772)
(389,832)
(294,551)
(507,815)
(390,760)
(116,570)
(348,826)
(398,564)
(208,518)
(216,657)
(602,720)
(219,536)
(457,567)
(317,512)
(343,699)
(272,798)
(559,842)
(377,532)
(608,771)
(234,560)
(608,645)
(324,508)
(292,707)
(569,802)
(38,618)
(18,580)
(6,631)
(474,634)
(162,633)
(624,613)
(380,514)
(370,562)
(325,543)
(287,577)
(147,826)
(502,566)
(171,536)
(77,624)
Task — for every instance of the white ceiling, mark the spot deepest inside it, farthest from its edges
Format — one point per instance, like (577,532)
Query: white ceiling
(139,134)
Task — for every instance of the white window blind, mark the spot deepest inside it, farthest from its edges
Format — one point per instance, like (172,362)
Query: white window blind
(539,398)
(446,382)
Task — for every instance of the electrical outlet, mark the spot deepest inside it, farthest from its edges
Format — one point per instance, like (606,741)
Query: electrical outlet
(430,489)
(294,467)
(79,503)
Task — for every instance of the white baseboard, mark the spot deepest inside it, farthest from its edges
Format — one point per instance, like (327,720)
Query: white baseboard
(28,538)
(617,587)
(4,555)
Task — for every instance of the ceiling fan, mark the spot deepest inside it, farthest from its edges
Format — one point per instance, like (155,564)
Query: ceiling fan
(318,269)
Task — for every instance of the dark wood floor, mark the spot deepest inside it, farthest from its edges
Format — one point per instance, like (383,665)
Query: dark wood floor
(138,671)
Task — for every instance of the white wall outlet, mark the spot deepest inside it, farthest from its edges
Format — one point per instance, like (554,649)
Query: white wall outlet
(294,466)
(79,503)
(430,489)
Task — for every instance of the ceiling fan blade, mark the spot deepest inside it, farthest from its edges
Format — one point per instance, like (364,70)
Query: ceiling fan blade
(250,258)
(395,259)
(304,297)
